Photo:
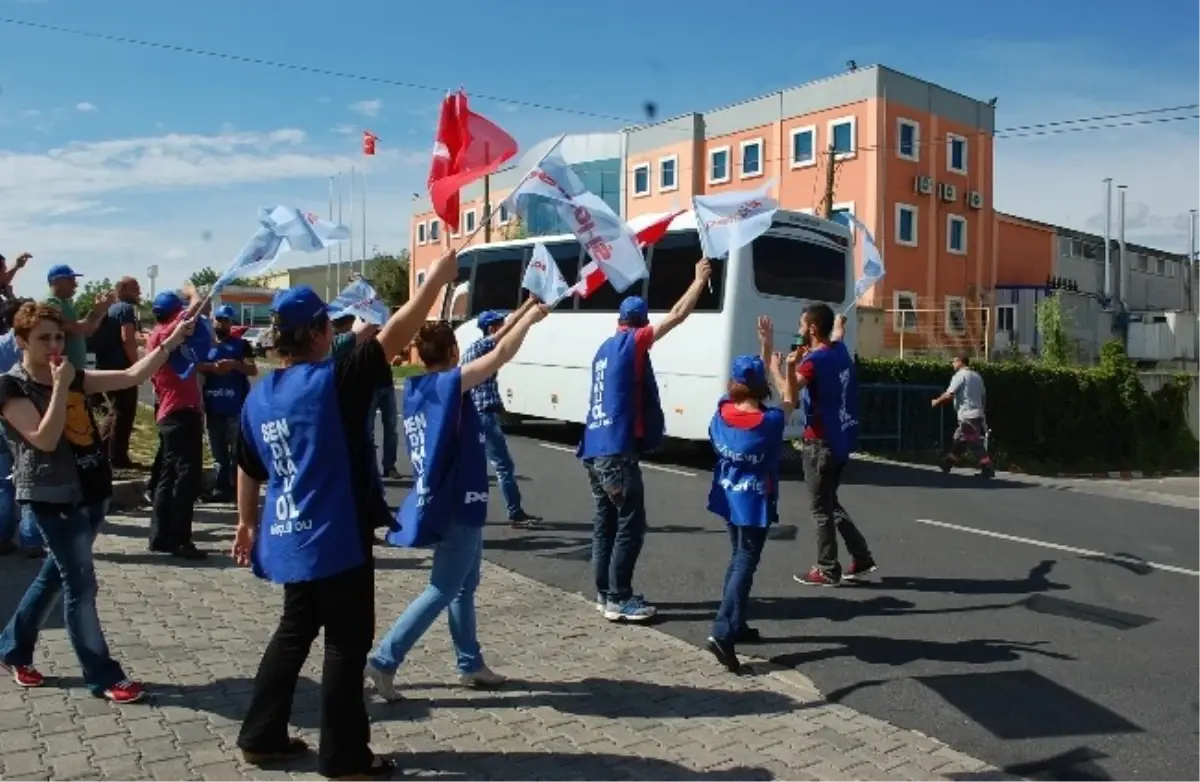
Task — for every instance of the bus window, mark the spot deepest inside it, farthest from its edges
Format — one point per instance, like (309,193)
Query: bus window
(797,269)
(497,281)
(673,268)
(566,255)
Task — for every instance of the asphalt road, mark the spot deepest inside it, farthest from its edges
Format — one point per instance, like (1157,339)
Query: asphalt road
(1049,629)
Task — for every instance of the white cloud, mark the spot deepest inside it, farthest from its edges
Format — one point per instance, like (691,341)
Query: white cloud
(175,254)
(85,107)
(345,130)
(367,108)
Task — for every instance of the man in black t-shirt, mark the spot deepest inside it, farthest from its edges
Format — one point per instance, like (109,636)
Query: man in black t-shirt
(115,345)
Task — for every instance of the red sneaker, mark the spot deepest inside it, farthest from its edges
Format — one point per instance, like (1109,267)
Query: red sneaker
(125,691)
(818,577)
(25,675)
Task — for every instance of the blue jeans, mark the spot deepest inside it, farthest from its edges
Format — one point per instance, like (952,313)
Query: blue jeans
(385,404)
(746,544)
(68,571)
(453,580)
(223,431)
(619,526)
(10,511)
(502,463)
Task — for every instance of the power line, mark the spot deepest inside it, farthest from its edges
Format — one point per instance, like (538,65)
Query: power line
(1020,131)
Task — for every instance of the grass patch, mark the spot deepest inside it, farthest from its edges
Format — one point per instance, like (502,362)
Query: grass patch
(143,444)
(407,370)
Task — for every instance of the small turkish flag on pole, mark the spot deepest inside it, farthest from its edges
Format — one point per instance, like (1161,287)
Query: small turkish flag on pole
(369,140)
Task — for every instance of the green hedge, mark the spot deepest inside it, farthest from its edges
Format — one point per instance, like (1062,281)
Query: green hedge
(1068,419)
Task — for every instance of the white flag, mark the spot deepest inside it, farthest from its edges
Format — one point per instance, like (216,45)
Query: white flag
(727,221)
(873,269)
(602,233)
(360,300)
(543,277)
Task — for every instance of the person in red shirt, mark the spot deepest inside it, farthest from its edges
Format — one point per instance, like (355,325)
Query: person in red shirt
(180,420)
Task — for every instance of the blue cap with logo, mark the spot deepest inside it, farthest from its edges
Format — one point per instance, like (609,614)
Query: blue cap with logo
(298,306)
(224,312)
(166,303)
(749,371)
(489,318)
(634,311)
(61,271)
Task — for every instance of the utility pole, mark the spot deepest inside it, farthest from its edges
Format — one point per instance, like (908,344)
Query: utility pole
(830,178)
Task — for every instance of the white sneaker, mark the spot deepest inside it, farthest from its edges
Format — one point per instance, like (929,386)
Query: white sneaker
(382,682)
(483,679)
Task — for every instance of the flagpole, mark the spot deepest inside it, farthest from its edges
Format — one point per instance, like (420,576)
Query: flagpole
(351,224)
(338,271)
(363,268)
(329,251)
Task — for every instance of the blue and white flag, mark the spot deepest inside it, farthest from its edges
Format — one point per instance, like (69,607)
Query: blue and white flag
(543,278)
(282,229)
(360,300)
(727,221)
(873,269)
(194,350)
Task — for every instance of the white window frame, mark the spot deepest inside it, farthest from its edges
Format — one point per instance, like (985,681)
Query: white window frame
(1012,308)
(898,311)
(649,170)
(712,153)
(435,227)
(662,166)
(422,233)
(420,278)
(505,217)
(811,129)
(852,121)
(904,122)
(966,157)
(762,165)
(962,305)
(951,219)
(470,220)
(916,224)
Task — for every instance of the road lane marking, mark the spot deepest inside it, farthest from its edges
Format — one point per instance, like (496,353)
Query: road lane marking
(1083,552)
(647,465)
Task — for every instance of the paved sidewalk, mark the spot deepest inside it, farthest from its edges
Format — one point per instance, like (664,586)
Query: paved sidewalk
(588,700)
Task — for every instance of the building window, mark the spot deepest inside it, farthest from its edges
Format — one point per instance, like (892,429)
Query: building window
(420,233)
(1006,319)
(956,234)
(906,225)
(908,138)
(504,216)
(668,174)
(641,179)
(842,137)
(420,278)
(1160,265)
(904,311)
(469,220)
(804,147)
(435,229)
(956,315)
(718,165)
(956,154)
(752,162)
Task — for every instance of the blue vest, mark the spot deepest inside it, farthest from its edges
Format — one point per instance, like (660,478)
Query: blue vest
(309,527)
(836,406)
(745,485)
(449,461)
(610,428)
(224,394)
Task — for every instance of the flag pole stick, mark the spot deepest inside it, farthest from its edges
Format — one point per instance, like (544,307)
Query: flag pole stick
(350,223)
(363,268)
(337,274)
(329,250)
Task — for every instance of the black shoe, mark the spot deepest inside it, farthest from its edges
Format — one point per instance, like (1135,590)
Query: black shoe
(725,654)
(189,552)
(947,464)
(161,548)
(381,768)
(392,475)
(749,635)
(295,748)
(987,471)
(525,520)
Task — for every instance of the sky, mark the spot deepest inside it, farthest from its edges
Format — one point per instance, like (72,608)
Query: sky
(115,156)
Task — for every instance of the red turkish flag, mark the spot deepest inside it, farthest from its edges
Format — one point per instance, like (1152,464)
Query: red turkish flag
(467,148)
(369,140)
(657,229)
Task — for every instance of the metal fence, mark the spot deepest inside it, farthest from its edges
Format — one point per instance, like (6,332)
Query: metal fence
(894,418)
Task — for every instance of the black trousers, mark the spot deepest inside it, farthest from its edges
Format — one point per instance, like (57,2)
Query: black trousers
(823,477)
(344,605)
(179,480)
(117,428)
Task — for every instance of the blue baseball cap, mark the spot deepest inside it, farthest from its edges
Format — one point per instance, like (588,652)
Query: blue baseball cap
(634,311)
(298,306)
(749,371)
(224,312)
(166,303)
(487,318)
(61,271)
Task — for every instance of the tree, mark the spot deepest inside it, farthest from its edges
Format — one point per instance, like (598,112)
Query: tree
(207,276)
(514,230)
(388,274)
(1052,325)
(87,295)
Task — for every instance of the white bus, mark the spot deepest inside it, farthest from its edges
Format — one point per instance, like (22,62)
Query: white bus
(801,259)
